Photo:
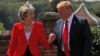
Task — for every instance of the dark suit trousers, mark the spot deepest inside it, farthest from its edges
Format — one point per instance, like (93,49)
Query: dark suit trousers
(27,52)
(61,53)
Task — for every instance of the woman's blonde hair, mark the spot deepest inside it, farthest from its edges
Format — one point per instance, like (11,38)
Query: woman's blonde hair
(24,9)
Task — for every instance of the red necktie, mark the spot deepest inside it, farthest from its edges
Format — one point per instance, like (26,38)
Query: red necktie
(65,39)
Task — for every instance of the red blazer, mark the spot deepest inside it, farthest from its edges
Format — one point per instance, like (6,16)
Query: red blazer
(18,42)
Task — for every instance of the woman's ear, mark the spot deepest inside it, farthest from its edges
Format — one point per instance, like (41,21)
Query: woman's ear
(25,15)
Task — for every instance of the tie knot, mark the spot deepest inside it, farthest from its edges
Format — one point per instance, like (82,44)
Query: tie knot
(66,21)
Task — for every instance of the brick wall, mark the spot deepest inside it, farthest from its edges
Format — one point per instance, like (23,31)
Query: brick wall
(48,21)
(4,41)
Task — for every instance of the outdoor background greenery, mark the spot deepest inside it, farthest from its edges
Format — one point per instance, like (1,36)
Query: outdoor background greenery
(96,41)
(9,9)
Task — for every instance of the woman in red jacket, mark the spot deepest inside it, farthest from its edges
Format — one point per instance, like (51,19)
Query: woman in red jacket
(27,34)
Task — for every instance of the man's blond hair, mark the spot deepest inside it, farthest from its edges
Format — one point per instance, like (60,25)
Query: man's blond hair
(66,4)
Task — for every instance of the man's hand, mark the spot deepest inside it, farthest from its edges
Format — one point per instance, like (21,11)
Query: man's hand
(52,37)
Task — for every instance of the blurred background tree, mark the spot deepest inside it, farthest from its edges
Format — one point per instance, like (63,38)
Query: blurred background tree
(1,26)
(9,9)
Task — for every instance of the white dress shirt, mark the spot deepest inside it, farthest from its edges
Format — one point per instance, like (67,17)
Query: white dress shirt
(69,26)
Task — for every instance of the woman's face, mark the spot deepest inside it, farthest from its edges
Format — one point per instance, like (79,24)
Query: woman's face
(30,16)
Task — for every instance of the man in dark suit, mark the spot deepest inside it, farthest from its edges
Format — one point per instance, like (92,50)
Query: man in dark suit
(76,40)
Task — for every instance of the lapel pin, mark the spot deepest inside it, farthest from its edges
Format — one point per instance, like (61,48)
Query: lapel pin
(74,22)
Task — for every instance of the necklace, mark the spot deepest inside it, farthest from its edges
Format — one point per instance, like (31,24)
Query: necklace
(27,28)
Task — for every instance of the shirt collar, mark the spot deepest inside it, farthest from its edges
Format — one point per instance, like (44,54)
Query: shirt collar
(70,18)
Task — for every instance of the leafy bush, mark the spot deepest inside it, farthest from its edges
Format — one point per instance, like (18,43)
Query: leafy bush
(1,27)
(96,41)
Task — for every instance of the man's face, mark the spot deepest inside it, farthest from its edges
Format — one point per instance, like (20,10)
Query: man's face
(64,13)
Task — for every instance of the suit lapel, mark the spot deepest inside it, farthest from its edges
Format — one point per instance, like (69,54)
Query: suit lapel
(73,27)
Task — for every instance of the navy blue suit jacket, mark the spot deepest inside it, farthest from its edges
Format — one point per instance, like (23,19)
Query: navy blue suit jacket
(80,37)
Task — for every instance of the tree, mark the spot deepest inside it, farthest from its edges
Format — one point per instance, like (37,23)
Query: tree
(1,26)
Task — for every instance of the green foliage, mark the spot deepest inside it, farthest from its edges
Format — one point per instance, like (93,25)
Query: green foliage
(1,27)
(96,41)
(41,7)
(14,1)
(96,8)
(9,9)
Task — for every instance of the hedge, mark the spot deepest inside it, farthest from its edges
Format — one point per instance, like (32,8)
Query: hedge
(96,41)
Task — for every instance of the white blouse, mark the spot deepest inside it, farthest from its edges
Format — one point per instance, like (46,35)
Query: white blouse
(27,35)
